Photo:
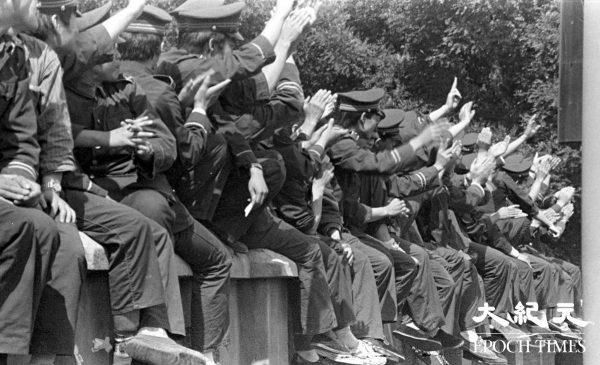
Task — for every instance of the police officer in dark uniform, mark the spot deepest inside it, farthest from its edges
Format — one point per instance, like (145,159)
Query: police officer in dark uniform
(360,173)
(373,274)
(435,220)
(30,237)
(198,150)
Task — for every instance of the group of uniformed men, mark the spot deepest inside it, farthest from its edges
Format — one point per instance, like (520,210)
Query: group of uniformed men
(212,147)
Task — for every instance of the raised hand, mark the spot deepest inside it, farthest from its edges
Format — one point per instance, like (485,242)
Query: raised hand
(498,149)
(326,175)
(314,107)
(482,168)
(331,133)
(294,24)
(484,139)
(565,195)
(283,8)
(466,113)
(532,127)
(512,211)
(568,211)
(445,154)
(432,133)
(453,98)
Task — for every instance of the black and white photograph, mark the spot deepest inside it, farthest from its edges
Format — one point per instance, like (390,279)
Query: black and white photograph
(296,182)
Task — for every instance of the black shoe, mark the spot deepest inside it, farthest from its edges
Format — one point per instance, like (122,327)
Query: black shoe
(448,341)
(298,360)
(417,339)
(385,349)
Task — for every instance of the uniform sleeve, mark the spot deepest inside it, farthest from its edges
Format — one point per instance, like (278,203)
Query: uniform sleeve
(163,143)
(238,144)
(516,194)
(78,181)
(285,105)
(465,199)
(190,135)
(245,61)
(89,48)
(55,136)
(400,186)
(331,216)
(346,154)
(19,149)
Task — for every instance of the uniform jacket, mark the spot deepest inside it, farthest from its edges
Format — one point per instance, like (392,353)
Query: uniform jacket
(48,94)
(191,135)
(103,108)
(242,63)
(19,149)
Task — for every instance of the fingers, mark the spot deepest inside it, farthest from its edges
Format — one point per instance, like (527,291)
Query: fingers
(455,83)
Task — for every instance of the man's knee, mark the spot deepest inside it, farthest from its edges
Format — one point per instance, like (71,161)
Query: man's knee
(152,204)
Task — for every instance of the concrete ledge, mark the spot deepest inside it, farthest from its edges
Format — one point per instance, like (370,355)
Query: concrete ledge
(259,263)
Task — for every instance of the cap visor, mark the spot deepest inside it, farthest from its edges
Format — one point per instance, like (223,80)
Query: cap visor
(78,13)
(120,40)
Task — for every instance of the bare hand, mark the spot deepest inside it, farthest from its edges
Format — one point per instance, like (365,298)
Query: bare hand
(568,211)
(482,168)
(294,24)
(466,114)
(445,155)
(432,133)
(57,207)
(453,98)
(565,195)
(35,192)
(532,127)
(257,187)
(11,190)
(512,211)
(397,207)
(484,139)
(283,8)
(498,149)
(314,107)
(348,255)
(331,133)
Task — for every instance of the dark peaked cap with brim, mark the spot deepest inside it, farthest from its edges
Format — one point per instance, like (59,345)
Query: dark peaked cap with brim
(57,6)
(363,101)
(209,15)
(93,17)
(153,20)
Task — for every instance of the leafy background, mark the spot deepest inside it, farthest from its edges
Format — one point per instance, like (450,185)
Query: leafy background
(504,53)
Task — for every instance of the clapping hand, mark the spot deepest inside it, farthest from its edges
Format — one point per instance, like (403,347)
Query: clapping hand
(453,98)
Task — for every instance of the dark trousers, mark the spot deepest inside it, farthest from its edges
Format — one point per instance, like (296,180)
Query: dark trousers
(448,273)
(154,205)
(425,303)
(134,253)
(415,284)
(27,247)
(56,321)
(371,314)
(317,314)
(210,261)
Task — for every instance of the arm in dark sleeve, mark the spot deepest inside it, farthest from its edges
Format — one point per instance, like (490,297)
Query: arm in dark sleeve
(346,154)
(246,60)
(19,149)
(516,194)
(89,48)
(495,237)
(331,217)
(238,144)
(163,143)
(79,181)
(190,134)
(465,199)
(400,186)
